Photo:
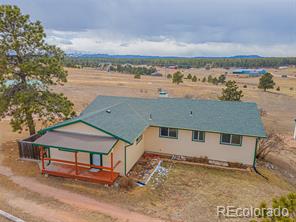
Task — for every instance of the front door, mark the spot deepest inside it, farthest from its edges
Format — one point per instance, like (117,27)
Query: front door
(96,159)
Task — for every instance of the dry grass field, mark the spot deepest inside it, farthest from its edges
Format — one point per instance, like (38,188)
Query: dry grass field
(85,84)
(189,193)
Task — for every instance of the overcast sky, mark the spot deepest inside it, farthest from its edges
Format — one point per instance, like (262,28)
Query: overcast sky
(168,27)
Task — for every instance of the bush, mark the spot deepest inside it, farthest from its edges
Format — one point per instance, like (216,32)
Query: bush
(126,183)
(210,79)
(137,76)
(204,79)
(169,76)
(278,89)
(221,79)
(245,86)
(215,81)
(291,88)
(189,96)
(189,76)
(194,79)
(273,143)
(288,202)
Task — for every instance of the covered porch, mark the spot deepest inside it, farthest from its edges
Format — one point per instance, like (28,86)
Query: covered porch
(71,144)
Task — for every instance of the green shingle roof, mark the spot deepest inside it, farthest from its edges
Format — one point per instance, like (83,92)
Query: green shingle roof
(126,118)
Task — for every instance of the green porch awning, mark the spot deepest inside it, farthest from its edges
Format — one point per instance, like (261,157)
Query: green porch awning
(77,142)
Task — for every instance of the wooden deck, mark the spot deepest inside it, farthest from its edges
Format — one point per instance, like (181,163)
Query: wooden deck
(69,171)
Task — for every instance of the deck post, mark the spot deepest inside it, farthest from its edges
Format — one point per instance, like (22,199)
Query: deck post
(76,166)
(42,157)
(112,174)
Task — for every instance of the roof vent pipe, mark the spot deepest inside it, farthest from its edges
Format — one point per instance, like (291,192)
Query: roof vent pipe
(150,117)
(190,113)
(108,111)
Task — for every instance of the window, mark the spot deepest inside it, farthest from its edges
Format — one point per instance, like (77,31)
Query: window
(168,132)
(231,139)
(198,136)
(139,139)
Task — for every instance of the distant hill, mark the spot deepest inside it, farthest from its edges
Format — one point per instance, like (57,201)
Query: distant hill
(86,55)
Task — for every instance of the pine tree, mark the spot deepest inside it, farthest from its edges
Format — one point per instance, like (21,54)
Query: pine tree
(286,209)
(266,82)
(32,66)
(177,77)
(221,79)
(231,92)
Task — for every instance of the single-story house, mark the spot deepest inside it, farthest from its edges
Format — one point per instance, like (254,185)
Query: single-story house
(249,72)
(112,133)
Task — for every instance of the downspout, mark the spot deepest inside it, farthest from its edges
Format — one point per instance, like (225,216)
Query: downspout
(254,161)
(125,157)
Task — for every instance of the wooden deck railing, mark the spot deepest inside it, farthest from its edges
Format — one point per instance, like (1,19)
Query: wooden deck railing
(82,164)
(77,165)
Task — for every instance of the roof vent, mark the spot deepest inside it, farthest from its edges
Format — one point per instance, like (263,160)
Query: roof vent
(150,117)
(108,110)
(190,113)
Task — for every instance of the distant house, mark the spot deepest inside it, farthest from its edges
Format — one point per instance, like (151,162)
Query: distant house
(163,94)
(112,133)
(156,74)
(249,72)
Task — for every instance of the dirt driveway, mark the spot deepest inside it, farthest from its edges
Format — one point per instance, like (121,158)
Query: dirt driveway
(73,199)
(57,204)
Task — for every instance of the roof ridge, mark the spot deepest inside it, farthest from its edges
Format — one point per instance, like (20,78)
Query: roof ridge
(176,98)
(130,106)
(98,111)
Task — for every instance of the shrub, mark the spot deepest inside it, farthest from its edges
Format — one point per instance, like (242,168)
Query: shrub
(245,86)
(126,183)
(194,79)
(221,79)
(278,89)
(288,202)
(215,81)
(210,78)
(137,76)
(273,143)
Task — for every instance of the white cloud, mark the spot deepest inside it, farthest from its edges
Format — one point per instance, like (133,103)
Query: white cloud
(92,41)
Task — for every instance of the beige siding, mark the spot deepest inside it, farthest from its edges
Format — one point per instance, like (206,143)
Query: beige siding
(81,128)
(57,154)
(133,153)
(211,148)
(118,155)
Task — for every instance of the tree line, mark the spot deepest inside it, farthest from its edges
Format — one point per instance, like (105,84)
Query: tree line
(136,70)
(272,62)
